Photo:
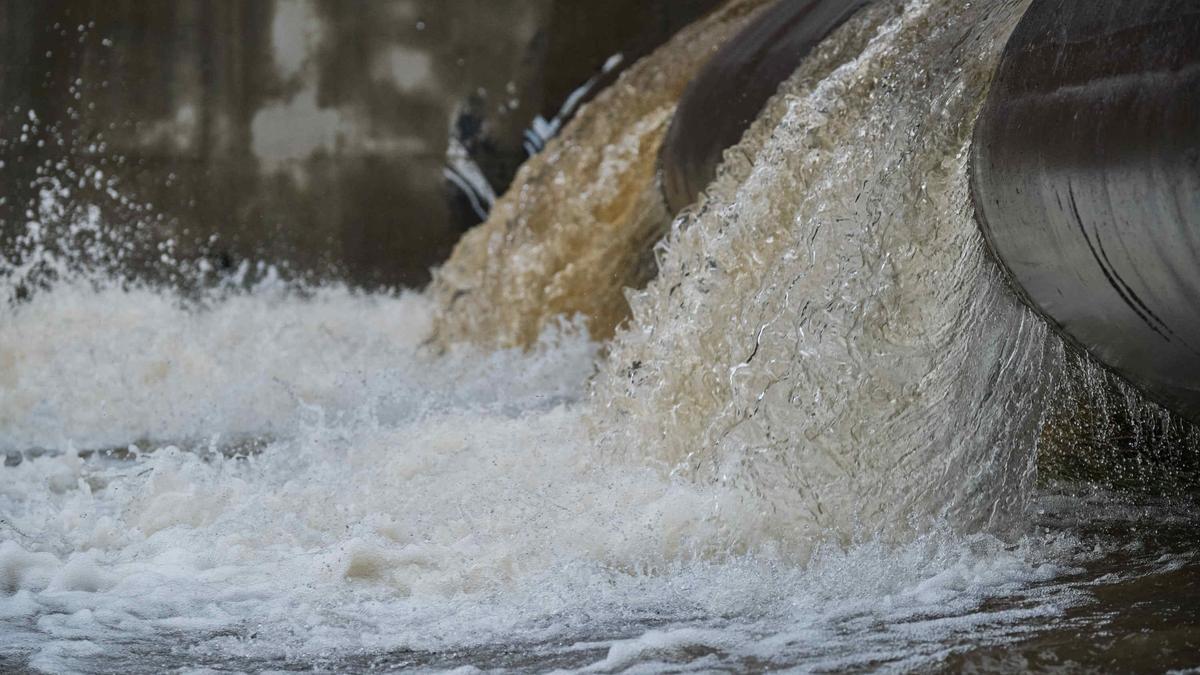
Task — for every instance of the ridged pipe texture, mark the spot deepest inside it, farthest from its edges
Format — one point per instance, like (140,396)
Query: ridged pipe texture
(1086,180)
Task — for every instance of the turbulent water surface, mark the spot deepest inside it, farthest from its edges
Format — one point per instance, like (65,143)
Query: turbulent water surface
(813,445)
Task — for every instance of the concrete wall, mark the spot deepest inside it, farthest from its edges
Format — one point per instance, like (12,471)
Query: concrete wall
(310,131)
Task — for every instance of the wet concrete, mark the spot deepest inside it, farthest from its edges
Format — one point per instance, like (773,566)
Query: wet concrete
(306,131)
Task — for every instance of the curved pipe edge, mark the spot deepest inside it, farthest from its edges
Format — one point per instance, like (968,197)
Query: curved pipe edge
(734,86)
(1085,173)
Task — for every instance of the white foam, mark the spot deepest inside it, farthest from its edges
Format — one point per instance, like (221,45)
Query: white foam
(112,367)
(405,502)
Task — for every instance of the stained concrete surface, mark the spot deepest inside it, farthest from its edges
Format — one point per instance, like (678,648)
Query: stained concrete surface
(309,132)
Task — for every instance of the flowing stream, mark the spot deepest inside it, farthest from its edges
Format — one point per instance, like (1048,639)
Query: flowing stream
(812,442)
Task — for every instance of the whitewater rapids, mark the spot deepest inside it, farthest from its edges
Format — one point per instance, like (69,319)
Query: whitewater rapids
(399,503)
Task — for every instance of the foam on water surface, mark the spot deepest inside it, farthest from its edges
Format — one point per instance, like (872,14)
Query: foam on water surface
(402,503)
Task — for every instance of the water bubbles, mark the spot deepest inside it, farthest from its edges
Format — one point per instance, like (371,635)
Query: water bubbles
(830,320)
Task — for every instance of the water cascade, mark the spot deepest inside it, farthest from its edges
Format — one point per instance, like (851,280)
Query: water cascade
(808,440)
(577,225)
(827,330)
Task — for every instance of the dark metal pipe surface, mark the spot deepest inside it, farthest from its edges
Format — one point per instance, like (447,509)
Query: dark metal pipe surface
(1086,181)
(730,92)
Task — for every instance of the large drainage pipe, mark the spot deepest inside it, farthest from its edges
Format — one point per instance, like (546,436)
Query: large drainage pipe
(1086,179)
(732,89)
(1085,167)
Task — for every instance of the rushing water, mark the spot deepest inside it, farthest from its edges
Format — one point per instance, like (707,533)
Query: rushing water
(827,331)
(813,446)
(578,224)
